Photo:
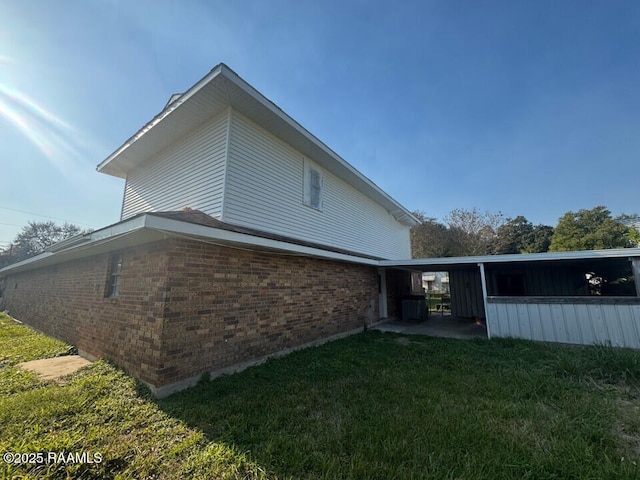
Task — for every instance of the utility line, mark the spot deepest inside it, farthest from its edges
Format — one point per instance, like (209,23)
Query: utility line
(44,216)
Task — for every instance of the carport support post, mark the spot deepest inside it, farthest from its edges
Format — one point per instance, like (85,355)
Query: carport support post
(635,266)
(483,281)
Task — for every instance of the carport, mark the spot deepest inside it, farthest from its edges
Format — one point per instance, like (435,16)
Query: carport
(581,297)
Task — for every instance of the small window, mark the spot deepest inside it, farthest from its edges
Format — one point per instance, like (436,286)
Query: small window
(113,280)
(312,185)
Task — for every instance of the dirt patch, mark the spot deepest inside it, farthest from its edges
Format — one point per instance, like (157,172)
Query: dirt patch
(56,368)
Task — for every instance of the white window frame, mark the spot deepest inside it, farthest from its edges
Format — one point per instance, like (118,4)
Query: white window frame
(114,275)
(310,169)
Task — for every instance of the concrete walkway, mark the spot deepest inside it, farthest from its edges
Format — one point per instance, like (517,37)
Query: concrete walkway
(57,367)
(437,326)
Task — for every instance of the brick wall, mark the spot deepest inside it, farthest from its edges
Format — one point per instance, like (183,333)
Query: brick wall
(189,307)
(67,301)
(226,306)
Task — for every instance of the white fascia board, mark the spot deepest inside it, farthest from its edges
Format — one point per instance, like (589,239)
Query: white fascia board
(91,239)
(203,232)
(178,228)
(22,263)
(126,226)
(514,258)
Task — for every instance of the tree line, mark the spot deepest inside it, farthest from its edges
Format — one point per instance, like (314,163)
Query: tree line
(35,238)
(462,233)
(472,232)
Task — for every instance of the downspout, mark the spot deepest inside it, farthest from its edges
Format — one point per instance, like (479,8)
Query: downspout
(483,281)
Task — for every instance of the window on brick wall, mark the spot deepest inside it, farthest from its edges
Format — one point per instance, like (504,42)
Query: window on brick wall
(115,270)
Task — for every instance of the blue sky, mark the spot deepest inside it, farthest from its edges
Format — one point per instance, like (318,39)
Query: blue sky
(528,108)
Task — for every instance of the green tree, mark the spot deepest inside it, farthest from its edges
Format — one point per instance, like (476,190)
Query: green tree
(476,231)
(36,237)
(432,239)
(539,240)
(519,235)
(633,222)
(589,230)
(512,235)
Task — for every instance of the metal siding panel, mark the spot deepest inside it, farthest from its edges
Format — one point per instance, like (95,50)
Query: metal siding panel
(187,174)
(634,318)
(572,324)
(550,323)
(586,325)
(535,322)
(521,317)
(478,295)
(504,317)
(499,327)
(533,316)
(512,320)
(600,333)
(264,191)
(557,324)
(464,298)
(613,322)
(454,281)
(549,327)
(630,325)
(493,321)
(583,324)
(502,321)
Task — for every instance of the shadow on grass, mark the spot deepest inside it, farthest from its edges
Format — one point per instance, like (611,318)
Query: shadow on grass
(380,406)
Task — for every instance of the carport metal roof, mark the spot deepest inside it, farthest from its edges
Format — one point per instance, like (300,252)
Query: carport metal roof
(450,263)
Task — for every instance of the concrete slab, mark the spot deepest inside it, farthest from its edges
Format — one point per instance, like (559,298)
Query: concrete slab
(57,367)
(437,326)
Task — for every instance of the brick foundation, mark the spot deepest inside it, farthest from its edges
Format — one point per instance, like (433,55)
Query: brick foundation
(188,307)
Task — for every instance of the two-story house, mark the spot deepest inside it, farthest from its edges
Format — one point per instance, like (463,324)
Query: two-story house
(241,236)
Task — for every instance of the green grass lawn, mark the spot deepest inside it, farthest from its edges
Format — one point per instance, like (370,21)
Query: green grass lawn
(370,406)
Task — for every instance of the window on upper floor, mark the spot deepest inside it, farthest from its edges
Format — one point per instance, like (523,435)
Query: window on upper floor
(312,185)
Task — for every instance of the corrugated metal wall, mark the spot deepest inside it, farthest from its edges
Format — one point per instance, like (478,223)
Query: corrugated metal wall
(542,281)
(578,321)
(188,174)
(264,190)
(466,293)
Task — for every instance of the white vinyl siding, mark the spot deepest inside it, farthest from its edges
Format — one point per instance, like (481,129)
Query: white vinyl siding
(312,185)
(189,173)
(265,190)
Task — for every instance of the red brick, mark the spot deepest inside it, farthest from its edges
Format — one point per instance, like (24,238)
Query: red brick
(187,307)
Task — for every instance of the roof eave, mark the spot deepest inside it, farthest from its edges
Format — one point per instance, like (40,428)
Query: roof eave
(148,227)
(107,165)
(343,169)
